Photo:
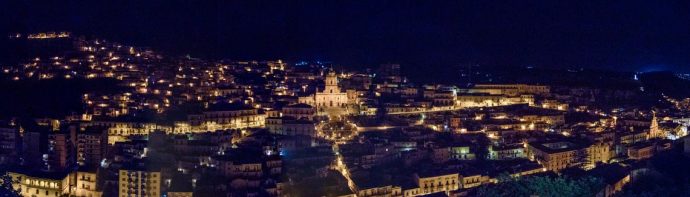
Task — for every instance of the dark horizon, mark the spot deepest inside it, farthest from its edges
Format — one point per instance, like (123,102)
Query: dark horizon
(424,36)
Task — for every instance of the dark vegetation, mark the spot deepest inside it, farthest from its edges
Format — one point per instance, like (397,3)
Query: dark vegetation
(48,98)
(668,175)
(667,83)
(544,186)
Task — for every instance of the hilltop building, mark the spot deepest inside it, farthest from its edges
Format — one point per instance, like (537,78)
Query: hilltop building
(331,100)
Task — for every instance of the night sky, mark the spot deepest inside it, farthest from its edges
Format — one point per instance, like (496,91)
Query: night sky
(421,35)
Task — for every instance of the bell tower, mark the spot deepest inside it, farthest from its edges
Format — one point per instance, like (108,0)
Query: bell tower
(654,131)
(331,83)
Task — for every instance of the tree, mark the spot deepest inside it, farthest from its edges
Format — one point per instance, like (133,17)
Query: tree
(655,184)
(543,186)
(668,175)
(6,188)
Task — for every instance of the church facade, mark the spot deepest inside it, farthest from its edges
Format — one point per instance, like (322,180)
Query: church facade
(331,97)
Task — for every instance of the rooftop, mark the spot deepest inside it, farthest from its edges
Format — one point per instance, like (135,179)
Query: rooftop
(557,146)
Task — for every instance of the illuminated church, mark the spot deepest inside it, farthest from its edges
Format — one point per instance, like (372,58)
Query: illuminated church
(331,99)
(654,131)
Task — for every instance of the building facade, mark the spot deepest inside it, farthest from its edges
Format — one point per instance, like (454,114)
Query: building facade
(43,184)
(139,183)
(9,145)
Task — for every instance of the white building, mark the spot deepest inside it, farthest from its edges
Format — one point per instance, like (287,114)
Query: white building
(331,99)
